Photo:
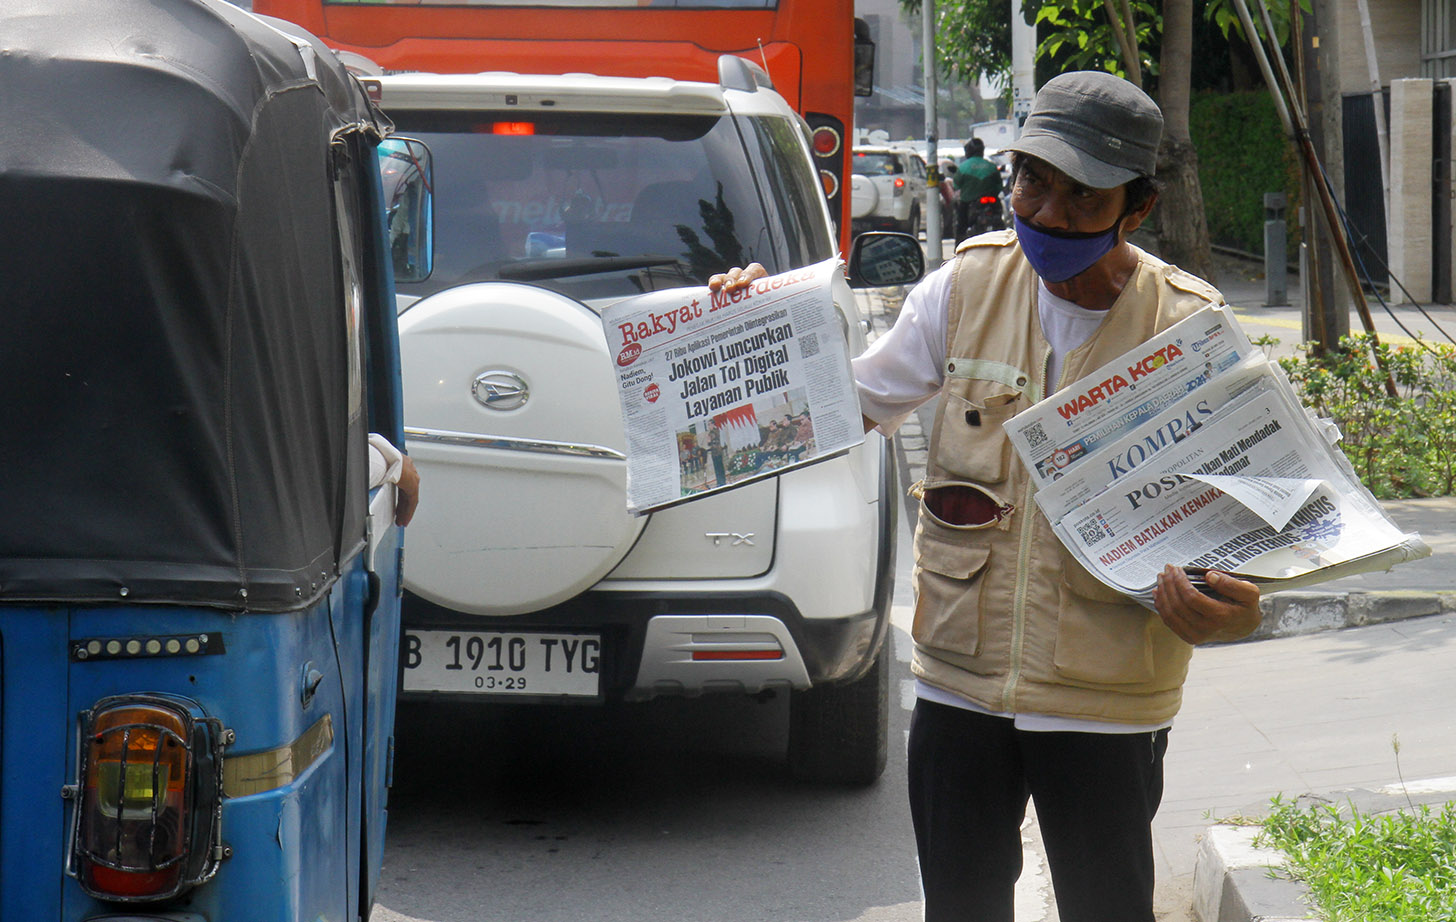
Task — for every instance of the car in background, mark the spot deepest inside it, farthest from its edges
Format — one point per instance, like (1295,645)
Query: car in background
(887,186)
(529,583)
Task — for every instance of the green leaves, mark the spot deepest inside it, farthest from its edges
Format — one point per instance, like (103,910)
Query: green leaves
(1399,446)
(1398,867)
(1242,153)
(1086,30)
(973,37)
(1222,13)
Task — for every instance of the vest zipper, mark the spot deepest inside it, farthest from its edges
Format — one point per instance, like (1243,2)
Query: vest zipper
(1023,572)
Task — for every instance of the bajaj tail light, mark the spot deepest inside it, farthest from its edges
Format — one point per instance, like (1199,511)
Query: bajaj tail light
(149,798)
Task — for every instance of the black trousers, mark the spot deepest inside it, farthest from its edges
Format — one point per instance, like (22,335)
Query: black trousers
(1095,796)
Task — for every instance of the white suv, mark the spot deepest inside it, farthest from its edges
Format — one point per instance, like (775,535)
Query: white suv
(527,579)
(886,187)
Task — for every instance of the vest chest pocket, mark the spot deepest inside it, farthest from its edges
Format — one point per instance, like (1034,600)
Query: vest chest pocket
(973,442)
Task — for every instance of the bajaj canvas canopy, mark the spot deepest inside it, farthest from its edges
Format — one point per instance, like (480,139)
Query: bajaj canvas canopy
(179,423)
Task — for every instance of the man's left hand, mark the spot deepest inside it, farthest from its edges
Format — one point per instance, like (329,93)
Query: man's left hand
(1198,618)
(407,495)
(736,277)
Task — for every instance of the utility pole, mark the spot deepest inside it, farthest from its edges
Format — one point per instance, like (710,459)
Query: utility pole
(1023,64)
(934,244)
(1326,315)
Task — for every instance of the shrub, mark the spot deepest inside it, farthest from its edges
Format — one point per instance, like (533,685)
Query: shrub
(1398,867)
(1243,153)
(1399,446)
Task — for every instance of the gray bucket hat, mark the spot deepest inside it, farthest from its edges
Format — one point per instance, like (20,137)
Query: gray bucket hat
(1097,128)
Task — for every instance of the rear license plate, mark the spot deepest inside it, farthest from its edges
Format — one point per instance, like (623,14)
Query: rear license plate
(503,663)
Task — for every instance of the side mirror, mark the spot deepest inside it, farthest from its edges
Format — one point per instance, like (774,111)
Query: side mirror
(407,172)
(864,59)
(877,260)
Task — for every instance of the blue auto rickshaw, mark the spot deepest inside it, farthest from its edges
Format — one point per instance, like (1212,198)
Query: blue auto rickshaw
(199,589)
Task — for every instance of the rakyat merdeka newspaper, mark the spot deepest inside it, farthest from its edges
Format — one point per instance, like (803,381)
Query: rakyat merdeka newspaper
(718,390)
(1208,462)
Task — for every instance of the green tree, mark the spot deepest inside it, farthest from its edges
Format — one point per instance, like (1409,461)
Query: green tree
(1146,42)
(1122,37)
(1110,35)
(973,38)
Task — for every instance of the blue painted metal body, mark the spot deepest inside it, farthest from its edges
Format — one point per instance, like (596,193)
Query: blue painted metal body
(296,851)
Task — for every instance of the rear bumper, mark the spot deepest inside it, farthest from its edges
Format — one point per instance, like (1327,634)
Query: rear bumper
(649,641)
(878,222)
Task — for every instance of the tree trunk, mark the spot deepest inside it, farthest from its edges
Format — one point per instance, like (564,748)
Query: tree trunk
(1126,32)
(1182,226)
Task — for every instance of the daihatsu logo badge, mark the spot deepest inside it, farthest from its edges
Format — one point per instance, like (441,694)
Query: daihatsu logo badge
(501,390)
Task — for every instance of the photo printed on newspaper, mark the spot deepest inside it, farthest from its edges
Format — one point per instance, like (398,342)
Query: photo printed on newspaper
(718,390)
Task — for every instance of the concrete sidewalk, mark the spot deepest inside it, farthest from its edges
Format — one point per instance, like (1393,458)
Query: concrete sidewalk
(1314,715)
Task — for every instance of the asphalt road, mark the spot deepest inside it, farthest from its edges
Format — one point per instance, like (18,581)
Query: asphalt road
(675,810)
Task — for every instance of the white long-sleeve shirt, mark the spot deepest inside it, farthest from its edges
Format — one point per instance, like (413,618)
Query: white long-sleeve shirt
(385,461)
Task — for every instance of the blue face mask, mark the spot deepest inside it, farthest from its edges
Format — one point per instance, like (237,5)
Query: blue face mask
(1059,256)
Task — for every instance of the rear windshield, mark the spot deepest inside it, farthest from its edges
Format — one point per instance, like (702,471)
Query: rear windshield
(876,164)
(591,206)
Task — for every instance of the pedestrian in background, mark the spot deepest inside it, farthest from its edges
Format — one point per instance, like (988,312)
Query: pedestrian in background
(1034,680)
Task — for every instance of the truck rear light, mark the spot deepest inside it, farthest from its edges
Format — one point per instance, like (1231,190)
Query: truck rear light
(826,141)
(149,801)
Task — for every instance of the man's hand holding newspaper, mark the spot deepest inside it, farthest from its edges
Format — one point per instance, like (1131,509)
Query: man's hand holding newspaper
(735,383)
(1231,612)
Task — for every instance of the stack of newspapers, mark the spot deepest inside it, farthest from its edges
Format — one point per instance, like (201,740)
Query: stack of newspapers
(1193,449)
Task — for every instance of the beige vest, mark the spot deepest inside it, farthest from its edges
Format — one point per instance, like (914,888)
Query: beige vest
(1003,615)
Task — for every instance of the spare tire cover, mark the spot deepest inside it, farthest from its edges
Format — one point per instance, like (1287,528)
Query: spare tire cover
(511,415)
(863,196)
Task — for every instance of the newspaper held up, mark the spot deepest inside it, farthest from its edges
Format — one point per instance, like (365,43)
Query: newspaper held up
(721,389)
(1209,462)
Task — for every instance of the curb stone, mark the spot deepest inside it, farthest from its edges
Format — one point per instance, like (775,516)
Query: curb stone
(1293,612)
(1236,881)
